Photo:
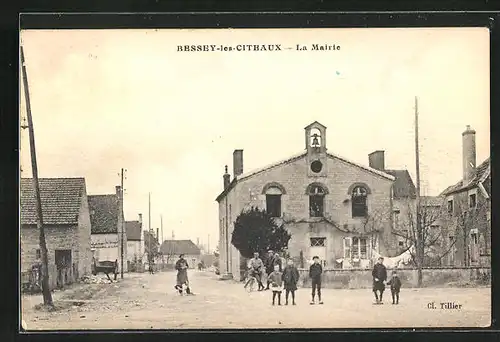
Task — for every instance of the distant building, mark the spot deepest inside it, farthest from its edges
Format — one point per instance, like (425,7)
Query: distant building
(171,249)
(333,207)
(106,216)
(151,246)
(468,207)
(135,242)
(66,221)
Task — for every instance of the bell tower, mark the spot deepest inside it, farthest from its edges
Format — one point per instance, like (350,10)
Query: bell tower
(315,135)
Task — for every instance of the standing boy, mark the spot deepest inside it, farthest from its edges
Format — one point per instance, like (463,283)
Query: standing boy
(395,284)
(276,283)
(315,272)
(290,279)
(379,275)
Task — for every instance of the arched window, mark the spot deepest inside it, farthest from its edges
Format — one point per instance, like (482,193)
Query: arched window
(358,200)
(273,192)
(316,194)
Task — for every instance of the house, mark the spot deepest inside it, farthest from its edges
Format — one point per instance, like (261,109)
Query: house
(106,217)
(171,249)
(333,207)
(66,223)
(135,243)
(468,207)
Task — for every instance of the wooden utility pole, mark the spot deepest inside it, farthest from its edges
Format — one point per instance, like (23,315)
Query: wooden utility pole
(47,296)
(419,242)
(123,219)
(161,226)
(208,244)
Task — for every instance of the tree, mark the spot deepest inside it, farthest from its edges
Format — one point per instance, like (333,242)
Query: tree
(427,238)
(256,231)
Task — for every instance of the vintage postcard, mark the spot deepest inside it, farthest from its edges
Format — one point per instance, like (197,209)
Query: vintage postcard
(255,178)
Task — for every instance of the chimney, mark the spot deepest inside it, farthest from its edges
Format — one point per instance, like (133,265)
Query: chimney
(376,160)
(140,218)
(118,191)
(468,153)
(237,162)
(158,234)
(227,178)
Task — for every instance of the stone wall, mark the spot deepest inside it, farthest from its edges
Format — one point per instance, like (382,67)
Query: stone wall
(432,277)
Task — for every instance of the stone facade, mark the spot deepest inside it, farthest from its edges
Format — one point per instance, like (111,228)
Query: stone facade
(62,231)
(334,233)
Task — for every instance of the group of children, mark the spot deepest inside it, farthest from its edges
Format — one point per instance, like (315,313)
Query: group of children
(288,279)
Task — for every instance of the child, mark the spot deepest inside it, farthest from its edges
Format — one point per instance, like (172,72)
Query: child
(395,284)
(290,279)
(276,283)
(315,272)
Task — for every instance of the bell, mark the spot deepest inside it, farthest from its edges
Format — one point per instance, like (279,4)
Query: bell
(315,142)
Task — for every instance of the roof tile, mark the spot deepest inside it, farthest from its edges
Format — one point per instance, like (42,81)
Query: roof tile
(104,212)
(133,229)
(61,200)
(169,247)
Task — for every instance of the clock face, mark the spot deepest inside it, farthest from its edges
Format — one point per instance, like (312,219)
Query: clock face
(316,166)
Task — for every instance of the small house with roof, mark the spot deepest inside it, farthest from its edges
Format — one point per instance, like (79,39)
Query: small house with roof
(334,208)
(171,249)
(135,242)
(468,209)
(108,229)
(67,224)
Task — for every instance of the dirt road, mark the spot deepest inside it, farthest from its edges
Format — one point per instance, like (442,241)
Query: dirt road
(144,301)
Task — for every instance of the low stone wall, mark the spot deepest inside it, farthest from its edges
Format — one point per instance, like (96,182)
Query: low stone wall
(432,277)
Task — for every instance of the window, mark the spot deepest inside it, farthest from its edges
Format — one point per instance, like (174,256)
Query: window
(318,242)
(316,166)
(359,247)
(401,243)
(358,199)
(474,236)
(38,254)
(450,206)
(273,192)
(316,201)
(273,205)
(472,201)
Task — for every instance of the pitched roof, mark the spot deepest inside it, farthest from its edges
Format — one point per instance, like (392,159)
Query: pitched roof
(188,247)
(403,185)
(480,176)
(292,159)
(133,229)
(61,200)
(104,211)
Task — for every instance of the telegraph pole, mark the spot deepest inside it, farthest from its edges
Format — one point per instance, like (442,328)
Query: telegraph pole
(47,296)
(419,242)
(161,226)
(123,218)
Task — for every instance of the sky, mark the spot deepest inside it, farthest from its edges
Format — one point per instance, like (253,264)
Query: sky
(103,100)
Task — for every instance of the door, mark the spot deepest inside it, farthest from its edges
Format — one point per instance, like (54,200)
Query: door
(318,248)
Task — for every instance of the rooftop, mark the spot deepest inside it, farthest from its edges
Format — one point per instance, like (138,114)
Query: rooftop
(481,176)
(133,229)
(174,247)
(61,200)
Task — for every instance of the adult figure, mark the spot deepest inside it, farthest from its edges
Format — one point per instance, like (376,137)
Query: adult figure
(256,269)
(269,266)
(379,274)
(182,278)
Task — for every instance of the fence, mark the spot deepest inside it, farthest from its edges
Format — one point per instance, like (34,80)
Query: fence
(431,277)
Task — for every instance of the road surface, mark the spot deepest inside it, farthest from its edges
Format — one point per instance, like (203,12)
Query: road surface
(144,301)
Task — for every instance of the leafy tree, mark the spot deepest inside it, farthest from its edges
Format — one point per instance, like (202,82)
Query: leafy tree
(257,231)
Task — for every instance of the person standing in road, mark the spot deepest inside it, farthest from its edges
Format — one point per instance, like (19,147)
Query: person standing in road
(379,275)
(315,272)
(290,279)
(182,278)
(269,266)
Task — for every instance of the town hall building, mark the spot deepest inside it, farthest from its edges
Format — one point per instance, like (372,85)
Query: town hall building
(334,208)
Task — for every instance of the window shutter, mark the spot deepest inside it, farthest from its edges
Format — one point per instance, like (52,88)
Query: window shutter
(347,247)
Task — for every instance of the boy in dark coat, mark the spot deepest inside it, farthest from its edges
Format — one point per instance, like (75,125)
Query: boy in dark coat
(395,284)
(379,275)
(315,272)
(290,279)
